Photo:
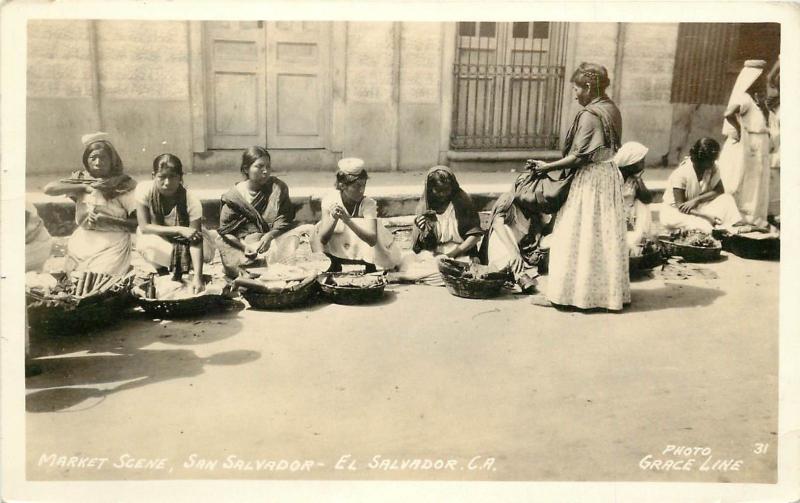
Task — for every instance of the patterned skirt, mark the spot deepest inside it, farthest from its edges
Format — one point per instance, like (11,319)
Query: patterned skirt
(588,252)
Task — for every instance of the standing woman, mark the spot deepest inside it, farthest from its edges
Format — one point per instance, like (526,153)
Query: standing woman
(745,158)
(171,235)
(104,210)
(349,231)
(588,255)
(256,221)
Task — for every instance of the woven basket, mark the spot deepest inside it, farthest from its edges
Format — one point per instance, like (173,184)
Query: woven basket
(295,296)
(468,288)
(646,261)
(690,253)
(80,315)
(756,249)
(179,308)
(349,295)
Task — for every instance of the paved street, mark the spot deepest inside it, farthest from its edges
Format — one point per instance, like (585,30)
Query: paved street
(499,389)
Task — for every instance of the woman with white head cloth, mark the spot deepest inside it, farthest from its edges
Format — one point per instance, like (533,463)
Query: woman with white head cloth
(630,161)
(745,158)
(349,231)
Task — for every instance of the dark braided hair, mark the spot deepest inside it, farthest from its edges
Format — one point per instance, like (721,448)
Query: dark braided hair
(705,150)
(593,75)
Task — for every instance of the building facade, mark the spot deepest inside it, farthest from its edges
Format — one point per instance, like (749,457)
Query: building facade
(400,95)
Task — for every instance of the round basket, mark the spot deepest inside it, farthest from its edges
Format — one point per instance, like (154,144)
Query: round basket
(67,318)
(350,295)
(296,296)
(646,261)
(690,253)
(468,288)
(179,308)
(756,249)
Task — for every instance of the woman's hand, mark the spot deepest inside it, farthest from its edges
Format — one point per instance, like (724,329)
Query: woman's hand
(87,188)
(264,244)
(190,234)
(339,213)
(688,206)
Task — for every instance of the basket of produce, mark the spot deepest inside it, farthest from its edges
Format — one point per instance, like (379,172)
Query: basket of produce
(648,257)
(754,245)
(352,288)
(472,281)
(278,286)
(692,245)
(67,303)
(162,297)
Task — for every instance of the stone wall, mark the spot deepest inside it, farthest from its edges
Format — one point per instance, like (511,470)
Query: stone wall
(648,59)
(142,70)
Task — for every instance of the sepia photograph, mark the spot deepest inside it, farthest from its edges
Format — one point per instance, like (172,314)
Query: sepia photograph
(441,246)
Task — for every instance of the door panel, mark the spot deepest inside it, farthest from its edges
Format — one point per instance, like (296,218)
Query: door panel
(236,83)
(297,70)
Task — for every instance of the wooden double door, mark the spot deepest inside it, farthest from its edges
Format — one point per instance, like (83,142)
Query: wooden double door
(267,84)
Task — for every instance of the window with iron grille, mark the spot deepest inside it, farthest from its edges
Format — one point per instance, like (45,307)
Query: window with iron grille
(508,85)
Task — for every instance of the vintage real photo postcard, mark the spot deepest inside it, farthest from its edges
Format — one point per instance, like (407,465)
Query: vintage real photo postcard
(387,251)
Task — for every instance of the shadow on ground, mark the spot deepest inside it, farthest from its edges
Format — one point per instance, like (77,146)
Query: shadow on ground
(98,364)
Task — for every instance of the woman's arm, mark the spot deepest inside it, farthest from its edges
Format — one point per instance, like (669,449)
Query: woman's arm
(642,192)
(365,228)
(68,189)
(570,161)
(732,116)
(144,219)
(104,222)
(327,224)
(196,251)
(501,229)
(468,244)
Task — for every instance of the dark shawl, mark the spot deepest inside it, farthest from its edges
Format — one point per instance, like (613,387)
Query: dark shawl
(520,196)
(114,185)
(271,210)
(181,260)
(469,223)
(584,142)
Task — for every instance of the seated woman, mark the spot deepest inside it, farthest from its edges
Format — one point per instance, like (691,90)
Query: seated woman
(256,221)
(349,231)
(695,198)
(171,236)
(104,209)
(516,234)
(38,243)
(446,224)
(630,161)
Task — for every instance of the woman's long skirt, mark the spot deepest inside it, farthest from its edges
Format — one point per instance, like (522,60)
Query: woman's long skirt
(588,252)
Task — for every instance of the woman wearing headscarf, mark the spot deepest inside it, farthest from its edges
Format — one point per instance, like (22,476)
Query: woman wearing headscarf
(104,210)
(745,159)
(446,224)
(695,197)
(256,221)
(516,234)
(630,161)
(588,264)
(349,231)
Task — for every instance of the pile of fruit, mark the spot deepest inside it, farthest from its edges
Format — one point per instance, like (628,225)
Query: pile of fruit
(355,280)
(694,238)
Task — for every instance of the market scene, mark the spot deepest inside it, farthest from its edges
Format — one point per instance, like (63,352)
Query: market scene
(363,250)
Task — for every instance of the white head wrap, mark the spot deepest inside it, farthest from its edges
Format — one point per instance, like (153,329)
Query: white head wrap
(753,68)
(630,153)
(351,166)
(90,138)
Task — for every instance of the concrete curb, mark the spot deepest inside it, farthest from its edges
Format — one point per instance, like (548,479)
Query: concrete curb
(394,203)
